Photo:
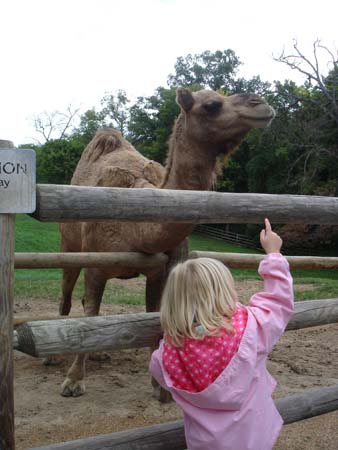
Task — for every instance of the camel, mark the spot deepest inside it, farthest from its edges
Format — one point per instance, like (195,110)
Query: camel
(209,125)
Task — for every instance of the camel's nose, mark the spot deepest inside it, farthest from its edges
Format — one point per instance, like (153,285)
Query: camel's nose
(255,99)
(251,99)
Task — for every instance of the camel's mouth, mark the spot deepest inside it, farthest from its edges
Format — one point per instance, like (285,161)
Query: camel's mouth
(260,119)
(266,114)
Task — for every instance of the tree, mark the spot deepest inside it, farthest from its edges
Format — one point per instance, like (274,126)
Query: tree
(56,124)
(90,122)
(206,70)
(151,122)
(116,110)
(310,68)
(254,85)
(57,159)
(315,159)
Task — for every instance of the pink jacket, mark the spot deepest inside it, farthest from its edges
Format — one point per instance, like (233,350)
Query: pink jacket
(236,411)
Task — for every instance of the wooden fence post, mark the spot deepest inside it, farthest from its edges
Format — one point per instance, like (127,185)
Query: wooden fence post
(7,223)
(17,190)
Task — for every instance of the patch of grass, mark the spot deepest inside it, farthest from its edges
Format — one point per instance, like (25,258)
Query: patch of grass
(203,243)
(34,236)
(126,295)
(324,283)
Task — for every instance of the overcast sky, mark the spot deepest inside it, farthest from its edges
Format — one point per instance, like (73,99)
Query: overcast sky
(57,53)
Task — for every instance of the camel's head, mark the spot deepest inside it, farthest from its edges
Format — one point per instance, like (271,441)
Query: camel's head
(222,122)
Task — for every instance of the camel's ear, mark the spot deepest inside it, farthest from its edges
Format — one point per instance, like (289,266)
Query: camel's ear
(184,98)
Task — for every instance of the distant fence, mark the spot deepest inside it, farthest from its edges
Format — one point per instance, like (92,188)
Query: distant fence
(217,231)
(220,233)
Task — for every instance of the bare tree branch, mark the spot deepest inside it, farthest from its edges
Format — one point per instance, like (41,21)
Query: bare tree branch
(54,125)
(69,117)
(312,71)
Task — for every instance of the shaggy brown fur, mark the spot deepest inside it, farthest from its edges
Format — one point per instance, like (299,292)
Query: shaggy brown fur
(209,125)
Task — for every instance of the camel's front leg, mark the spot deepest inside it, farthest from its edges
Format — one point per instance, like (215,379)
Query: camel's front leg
(74,386)
(69,278)
(95,282)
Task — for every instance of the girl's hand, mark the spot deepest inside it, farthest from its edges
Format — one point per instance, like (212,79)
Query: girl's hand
(270,240)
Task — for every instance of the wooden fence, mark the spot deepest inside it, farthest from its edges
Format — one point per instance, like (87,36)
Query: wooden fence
(170,435)
(71,203)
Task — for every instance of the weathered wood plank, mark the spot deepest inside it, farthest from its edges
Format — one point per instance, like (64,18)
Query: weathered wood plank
(19,319)
(311,313)
(7,227)
(6,144)
(310,403)
(79,335)
(63,260)
(142,260)
(251,261)
(165,436)
(89,334)
(170,435)
(72,203)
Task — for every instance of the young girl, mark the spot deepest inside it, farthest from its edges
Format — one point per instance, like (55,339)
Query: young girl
(213,355)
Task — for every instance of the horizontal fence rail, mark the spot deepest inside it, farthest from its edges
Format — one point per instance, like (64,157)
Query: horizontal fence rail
(62,203)
(248,261)
(84,259)
(90,334)
(142,260)
(170,435)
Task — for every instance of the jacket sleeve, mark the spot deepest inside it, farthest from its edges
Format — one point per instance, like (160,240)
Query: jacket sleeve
(273,307)
(155,368)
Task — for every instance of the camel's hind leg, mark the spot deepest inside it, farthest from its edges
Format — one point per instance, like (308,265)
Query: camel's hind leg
(95,282)
(69,279)
(70,242)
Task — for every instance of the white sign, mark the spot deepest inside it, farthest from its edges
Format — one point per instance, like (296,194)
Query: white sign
(17,180)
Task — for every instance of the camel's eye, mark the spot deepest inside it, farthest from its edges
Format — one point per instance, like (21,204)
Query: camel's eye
(213,106)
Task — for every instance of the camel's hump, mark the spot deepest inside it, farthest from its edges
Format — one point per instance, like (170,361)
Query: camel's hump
(110,160)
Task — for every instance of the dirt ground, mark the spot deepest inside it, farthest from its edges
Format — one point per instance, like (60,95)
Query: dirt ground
(119,393)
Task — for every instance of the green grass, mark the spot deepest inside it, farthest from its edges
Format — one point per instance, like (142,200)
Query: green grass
(203,243)
(34,236)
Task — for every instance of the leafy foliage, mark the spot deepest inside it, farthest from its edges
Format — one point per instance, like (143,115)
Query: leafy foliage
(208,70)
(56,160)
(151,122)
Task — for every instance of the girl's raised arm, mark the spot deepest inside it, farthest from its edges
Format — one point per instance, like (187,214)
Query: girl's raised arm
(273,306)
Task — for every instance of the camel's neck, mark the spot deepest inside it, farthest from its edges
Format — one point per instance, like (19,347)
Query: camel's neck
(190,165)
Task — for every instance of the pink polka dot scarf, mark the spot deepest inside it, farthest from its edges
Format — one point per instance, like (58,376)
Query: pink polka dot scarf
(197,364)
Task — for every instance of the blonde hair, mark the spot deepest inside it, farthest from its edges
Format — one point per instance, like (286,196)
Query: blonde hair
(198,291)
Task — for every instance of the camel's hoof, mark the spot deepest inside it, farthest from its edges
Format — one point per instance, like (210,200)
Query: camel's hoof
(162,395)
(99,356)
(52,361)
(72,388)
